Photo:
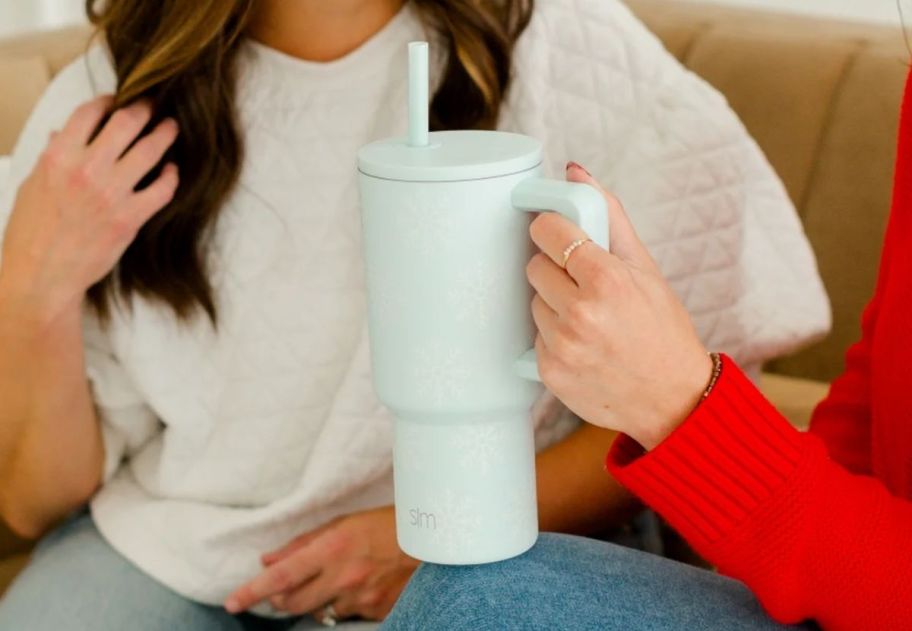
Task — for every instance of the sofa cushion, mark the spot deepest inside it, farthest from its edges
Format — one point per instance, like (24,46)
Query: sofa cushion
(795,398)
(27,63)
(22,82)
(58,48)
(807,75)
(847,204)
(822,99)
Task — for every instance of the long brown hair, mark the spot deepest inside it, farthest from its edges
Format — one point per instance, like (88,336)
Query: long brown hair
(182,55)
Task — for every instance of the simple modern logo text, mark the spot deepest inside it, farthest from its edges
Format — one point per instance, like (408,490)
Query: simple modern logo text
(420,519)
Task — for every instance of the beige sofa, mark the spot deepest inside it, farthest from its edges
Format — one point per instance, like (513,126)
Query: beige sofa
(821,97)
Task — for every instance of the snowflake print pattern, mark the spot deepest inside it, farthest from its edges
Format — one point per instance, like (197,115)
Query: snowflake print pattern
(520,518)
(478,445)
(386,302)
(440,374)
(410,452)
(459,527)
(473,295)
(430,223)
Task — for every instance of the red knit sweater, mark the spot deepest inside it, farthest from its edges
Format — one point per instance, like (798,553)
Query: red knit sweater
(818,525)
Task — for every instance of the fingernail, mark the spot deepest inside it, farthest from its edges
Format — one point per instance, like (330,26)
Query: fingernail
(232,605)
(576,165)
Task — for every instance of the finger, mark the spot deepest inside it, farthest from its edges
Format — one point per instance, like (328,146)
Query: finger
(314,594)
(344,606)
(552,283)
(279,578)
(554,233)
(546,320)
(120,131)
(57,155)
(146,153)
(156,196)
(85,120)
(624,242)
(270,558)
(295,544)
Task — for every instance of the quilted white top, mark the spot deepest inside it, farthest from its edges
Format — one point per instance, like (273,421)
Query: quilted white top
(223,446)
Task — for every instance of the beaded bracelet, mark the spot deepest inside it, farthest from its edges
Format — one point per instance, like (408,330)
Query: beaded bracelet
(716,373)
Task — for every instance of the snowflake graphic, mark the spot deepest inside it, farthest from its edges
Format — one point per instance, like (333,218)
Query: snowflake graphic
(410,451)
(429,222)
(440,373)
(459,526)
(386,301)
(519,512)
(478,445)
(473,294)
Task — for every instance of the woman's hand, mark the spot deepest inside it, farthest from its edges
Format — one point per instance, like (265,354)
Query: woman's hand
(615,344)
(353,563)
(78,210)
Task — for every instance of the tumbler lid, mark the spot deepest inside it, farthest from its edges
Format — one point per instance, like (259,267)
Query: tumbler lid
(451,156)
(443,156)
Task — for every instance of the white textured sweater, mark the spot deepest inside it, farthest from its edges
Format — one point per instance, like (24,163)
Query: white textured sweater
(221,446)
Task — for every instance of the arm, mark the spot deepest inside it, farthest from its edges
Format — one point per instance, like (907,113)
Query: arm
(74,215)
(749,492)
(809,536)
(50,444)
(843,419)
(766,504)
(574,494)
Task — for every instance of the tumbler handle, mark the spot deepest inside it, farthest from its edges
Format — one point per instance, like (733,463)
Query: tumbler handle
(581,204)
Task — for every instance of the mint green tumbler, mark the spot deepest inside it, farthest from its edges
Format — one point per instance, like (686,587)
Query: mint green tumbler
(446,243)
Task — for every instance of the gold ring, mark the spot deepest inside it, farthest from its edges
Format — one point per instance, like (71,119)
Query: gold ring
(570,249)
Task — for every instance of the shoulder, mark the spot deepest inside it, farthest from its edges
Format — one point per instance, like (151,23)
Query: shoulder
(596,14)
(88,76)
(583,56)
(589,31)
(589,72)
(593,65)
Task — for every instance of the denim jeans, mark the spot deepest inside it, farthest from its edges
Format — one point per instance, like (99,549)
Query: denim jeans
(571,583)
(77,582)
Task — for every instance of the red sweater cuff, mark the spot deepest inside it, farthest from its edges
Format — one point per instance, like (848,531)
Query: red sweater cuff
(716,468)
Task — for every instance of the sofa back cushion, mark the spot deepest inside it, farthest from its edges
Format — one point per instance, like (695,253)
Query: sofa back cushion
(822,99)
(30,76)
(27,64)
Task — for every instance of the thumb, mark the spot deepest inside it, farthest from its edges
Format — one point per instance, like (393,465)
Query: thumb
(624,242)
